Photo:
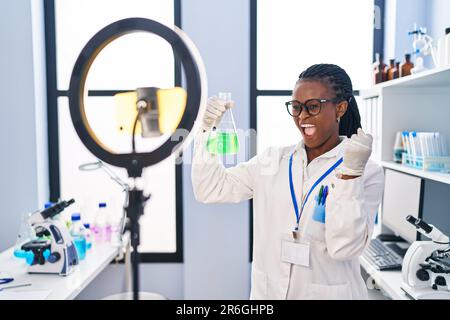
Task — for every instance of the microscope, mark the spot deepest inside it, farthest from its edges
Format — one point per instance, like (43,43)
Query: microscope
(426,265)
(53,250)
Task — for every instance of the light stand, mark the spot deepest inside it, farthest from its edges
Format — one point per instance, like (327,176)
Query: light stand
(135,210)
(125,186)
(135,203)
(134,162)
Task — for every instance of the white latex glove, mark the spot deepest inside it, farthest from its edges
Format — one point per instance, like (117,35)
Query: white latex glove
(215,109)
(357,151)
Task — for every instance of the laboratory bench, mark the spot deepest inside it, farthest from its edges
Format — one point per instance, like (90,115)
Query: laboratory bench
(53,286)
(388,281)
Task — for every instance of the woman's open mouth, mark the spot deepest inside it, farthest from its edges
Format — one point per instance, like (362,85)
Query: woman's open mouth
(308,129)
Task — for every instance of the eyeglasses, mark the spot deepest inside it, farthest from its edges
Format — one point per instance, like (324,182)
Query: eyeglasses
(312,106)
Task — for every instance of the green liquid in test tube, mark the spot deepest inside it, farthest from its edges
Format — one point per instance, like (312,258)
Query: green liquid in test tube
(224,139)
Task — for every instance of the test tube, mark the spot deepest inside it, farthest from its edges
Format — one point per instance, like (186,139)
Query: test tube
(416,144)
(435,144)
(427,144)
(438,144)
(411,143)
(444,146)
(406,143)
(423,149)
(431,144)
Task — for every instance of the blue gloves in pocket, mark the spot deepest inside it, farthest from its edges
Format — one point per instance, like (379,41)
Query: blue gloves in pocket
(319,211)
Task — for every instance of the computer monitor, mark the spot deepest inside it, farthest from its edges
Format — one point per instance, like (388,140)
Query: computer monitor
(402,196)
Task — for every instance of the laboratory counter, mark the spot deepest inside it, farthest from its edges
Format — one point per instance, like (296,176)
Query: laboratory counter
(53,286)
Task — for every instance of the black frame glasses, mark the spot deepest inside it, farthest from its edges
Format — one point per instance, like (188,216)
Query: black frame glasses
(312,106)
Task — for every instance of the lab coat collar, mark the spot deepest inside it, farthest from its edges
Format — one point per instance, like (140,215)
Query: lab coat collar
(333,153)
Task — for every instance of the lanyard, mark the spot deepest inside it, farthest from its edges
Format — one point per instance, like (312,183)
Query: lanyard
(291,186)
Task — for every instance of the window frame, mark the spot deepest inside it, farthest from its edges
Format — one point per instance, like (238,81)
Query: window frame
(378,46)
(53,130)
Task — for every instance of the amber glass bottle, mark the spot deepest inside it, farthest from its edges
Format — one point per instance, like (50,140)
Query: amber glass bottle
(391,69)
(405,69)
(380,70)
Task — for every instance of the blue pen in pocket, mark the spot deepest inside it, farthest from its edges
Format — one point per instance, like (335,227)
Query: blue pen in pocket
(319,209)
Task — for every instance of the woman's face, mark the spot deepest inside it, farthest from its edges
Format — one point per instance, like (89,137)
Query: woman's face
(317,130)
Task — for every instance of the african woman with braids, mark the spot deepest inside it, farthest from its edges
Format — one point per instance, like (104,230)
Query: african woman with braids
(314,203)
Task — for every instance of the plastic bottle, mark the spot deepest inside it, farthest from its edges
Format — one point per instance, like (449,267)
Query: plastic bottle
(108,224)
(224,138)
(78,232)
(116,221)
(87,226)
(419,67)
(99,224)
(399,148)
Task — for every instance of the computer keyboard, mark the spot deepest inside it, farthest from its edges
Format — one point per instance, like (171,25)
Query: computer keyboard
(382,257)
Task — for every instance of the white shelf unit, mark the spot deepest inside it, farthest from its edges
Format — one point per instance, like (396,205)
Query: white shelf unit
(435,176)
(419,102)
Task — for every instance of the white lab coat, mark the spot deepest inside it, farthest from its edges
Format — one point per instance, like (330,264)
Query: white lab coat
(335,245)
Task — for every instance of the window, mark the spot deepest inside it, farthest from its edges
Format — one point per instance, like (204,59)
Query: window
(292,35)
(287,36)
(69,26)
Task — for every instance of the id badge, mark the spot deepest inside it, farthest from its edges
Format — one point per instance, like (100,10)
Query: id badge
(295,252)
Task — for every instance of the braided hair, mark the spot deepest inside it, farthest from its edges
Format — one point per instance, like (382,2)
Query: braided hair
(338,80)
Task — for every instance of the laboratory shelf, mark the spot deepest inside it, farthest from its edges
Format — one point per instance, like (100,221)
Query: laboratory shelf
(437,77)
(435,176)
(419,102)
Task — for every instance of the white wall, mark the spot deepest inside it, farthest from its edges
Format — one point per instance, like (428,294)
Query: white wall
(23,163)
(438,17)
(400,18)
